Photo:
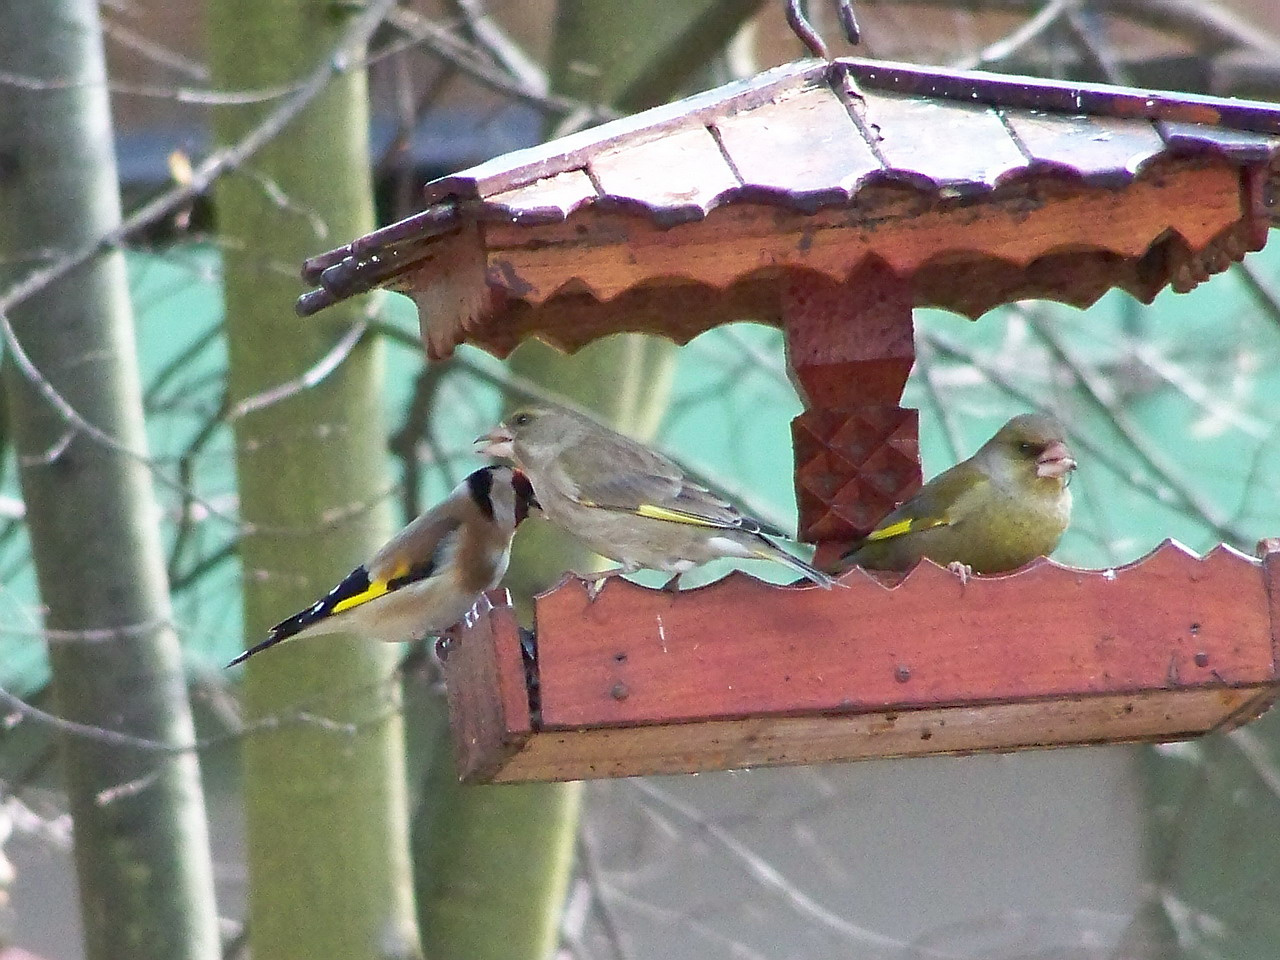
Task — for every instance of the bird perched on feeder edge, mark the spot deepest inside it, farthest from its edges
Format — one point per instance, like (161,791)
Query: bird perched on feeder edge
(1003,507)
(430,574)
(627,502)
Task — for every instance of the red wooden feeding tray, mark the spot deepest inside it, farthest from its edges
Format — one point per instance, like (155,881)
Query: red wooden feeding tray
(830,198)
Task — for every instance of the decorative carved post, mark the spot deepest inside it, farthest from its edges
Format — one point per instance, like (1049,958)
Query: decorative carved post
(850,349)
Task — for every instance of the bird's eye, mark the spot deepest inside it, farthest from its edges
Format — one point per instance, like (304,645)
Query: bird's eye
(521,419)
(1027,447)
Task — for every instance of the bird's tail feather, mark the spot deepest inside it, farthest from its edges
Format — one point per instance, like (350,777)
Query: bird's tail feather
(775,552)
(306,623)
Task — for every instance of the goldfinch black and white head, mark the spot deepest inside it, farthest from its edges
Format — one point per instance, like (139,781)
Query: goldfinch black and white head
(430,574)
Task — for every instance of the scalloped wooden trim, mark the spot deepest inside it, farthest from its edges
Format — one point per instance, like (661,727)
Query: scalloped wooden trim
(608,253)
(1053,238)
(740,672)
(451,290)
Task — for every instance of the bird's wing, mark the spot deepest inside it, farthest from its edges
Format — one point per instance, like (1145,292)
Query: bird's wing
(413,552)
(941,502)
(411,555)
(628,478)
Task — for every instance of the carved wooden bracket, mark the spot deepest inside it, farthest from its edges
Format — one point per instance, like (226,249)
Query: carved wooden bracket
(850,350)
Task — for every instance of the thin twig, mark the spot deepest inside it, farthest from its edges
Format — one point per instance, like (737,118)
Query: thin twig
(1021,38)
(925,357)
(589,861)
(155,52)
(443,43)
(504,52)
(340,61)
(295,715)
(192,95)
(1093,48)
(767,875)
(1147,452)
(316,374)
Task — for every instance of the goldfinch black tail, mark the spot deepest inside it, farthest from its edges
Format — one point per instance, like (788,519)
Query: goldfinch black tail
(351,592)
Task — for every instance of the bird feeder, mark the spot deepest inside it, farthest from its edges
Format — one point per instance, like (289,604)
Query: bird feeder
(830,198)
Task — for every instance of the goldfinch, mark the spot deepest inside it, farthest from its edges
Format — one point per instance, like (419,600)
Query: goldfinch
(428,576)
(627,502)
(1001,508)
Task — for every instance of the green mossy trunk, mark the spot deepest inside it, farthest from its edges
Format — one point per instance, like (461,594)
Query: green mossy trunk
(329,871)
(141,843)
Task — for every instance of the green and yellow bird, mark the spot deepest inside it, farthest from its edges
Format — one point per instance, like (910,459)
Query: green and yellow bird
(627,502)
(996,511)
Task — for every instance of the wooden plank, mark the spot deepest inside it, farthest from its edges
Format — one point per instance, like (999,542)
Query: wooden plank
(572,152)
(1038,93)
(485,687)
(1159,715)
(608,254)
(803,149)
(908,133)
(675,178)
(1100,150)
(549,200)
(1240,145)
(742,648)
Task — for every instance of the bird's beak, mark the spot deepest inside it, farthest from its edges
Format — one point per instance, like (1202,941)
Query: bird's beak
(1055,461)
(498,443)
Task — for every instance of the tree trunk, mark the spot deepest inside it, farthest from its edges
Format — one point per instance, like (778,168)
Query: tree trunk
(494,863)
(328,862)
(141,843)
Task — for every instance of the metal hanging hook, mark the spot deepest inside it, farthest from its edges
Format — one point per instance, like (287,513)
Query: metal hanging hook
(803,29)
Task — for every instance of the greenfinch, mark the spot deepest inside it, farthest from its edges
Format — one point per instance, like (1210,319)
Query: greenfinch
(627,502)
(1000,509)
(430,574)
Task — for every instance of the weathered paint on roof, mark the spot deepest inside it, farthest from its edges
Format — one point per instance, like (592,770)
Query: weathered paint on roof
(810,135)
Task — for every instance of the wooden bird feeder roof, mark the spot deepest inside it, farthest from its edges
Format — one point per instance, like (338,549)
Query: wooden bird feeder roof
(982,188)
(830,198)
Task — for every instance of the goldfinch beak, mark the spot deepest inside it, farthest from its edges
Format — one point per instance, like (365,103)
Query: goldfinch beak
(498,443)
(1055,461)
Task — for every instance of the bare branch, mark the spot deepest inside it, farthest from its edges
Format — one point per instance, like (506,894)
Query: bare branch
(192,95)
(155,52)
(1019,39)
(589,861)
(1146,451)
(340,62)
(766,874)
(312,377)
(504,52)
(925,357)
(297,714)
(442,42)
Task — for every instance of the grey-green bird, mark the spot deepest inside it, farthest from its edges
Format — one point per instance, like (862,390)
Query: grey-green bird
(627,502)
(1000,509)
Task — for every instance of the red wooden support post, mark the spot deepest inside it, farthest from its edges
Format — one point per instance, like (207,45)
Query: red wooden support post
(850,349)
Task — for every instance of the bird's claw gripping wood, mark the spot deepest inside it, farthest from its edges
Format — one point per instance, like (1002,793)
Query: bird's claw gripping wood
(962,570)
